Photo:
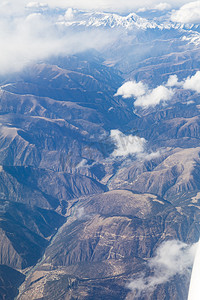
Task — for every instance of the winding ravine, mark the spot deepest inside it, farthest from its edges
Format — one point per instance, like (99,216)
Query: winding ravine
(31,271)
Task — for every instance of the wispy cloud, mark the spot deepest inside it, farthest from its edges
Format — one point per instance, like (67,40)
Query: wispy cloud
(162,6)
(81,214)
(172,258)
(159,6)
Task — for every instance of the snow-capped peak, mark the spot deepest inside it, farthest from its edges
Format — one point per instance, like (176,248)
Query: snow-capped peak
(74,18)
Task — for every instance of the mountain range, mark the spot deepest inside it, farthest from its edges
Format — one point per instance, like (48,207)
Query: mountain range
(94,187)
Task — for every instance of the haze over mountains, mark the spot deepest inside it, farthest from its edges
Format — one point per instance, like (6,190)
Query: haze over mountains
(99,154)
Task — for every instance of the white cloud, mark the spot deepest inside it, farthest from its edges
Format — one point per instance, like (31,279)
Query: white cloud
(189,83)
(131,145)
(173,81)
(188,13)
(162,6)
(172,258)
(154,97)
(132,89)
(150,156)
(127,145)
(146,97)
(193,82)
(37,5)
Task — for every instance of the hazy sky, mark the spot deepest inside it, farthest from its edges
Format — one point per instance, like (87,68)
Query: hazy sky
(113,5)
(12,7)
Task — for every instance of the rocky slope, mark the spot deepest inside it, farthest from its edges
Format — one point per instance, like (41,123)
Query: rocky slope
(108,241)
(9,280)
(169,177)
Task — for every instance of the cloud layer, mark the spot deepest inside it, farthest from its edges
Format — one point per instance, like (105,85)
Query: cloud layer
(172,258)
(30,31)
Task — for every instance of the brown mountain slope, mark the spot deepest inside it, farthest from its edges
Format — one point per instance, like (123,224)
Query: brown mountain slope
(170,177)
(106,242)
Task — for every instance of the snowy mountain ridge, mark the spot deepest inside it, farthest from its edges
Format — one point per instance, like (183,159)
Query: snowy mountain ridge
(113,20)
